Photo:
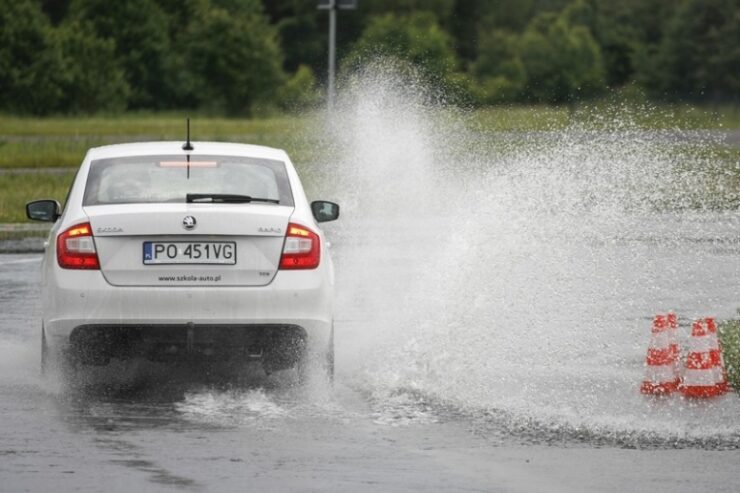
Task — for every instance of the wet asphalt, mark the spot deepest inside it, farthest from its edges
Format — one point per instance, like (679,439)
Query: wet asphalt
(186,428)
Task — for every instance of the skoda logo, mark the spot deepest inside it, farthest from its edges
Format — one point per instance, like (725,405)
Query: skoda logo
(189,223)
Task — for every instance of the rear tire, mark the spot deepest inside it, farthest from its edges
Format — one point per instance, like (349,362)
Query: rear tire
(315,365)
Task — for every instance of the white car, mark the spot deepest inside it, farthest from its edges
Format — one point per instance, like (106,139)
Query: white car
(165,250)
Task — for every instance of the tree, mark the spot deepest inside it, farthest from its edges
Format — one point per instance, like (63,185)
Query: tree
(299,91)
(499,67)
(416,38)
(30,62)
(92,79)
(562,62)
(235,57)
(303,43)
(140,30)
(699,56)
(626,32)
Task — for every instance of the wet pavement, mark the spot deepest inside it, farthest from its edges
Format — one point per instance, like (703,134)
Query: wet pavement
(175,427)
(493,313)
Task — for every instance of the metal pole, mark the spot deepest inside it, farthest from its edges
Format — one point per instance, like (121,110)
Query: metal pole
(332,52)
(332,6)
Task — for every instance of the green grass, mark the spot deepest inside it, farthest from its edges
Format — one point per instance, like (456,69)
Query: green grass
(151,125)
(17,189)
(729,334)
(61,142)
(44,153)
(648,116)
(27,142)
(520,118)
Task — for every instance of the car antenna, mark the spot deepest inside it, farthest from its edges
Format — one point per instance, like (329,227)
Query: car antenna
(188,146)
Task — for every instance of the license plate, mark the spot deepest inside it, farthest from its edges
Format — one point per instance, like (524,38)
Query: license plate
(189,252)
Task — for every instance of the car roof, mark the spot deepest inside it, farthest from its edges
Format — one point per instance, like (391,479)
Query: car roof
(175,147)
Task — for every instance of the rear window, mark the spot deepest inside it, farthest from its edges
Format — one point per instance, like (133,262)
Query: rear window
(158,179)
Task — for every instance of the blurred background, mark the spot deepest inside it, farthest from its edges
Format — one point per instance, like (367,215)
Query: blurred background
(81,73)
(247,57)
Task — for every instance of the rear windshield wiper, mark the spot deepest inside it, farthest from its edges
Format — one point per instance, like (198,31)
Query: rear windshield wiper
(225,198)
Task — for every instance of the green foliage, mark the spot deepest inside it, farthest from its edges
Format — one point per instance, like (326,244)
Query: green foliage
(554,60)
(242,56)
(729,335)
(302,42)
(625,30)
(236,57)
(299,92)
(416,38)
(440,9)
(699,56)
(30,62)
(140,30)
(18,189)
(92,80)
(562,61)
(505,14)
(499,67)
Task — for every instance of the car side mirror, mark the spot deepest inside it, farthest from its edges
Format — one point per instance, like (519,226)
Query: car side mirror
(43,210)
(324,211)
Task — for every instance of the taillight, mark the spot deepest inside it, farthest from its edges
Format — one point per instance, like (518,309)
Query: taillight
(76,248)
(302,248)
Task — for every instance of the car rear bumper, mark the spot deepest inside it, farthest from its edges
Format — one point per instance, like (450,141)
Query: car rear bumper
(293,299)
(276,346)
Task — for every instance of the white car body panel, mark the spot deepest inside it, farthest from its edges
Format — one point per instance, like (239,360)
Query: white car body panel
(257,229)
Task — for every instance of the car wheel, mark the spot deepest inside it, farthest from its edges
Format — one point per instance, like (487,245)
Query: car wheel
(303,367)
(310,365)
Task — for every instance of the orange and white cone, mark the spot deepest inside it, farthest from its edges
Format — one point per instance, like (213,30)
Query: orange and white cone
(661,362)
(704,375)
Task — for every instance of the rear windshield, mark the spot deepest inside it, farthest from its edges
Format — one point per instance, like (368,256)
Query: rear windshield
(157,179)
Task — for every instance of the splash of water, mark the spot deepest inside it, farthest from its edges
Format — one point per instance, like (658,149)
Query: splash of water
(514,274)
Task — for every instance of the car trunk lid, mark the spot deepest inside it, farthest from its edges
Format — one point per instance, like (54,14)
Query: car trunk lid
(254,231)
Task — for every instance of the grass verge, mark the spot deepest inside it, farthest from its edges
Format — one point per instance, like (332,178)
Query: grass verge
(154,125)
(27,142)
(606,114)
(18,188)
(729,335)
(61,142)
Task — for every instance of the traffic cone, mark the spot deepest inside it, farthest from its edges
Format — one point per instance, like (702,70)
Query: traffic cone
(661,362)
(672,321)
(704,375)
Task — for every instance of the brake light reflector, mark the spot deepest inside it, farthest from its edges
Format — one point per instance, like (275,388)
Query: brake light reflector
(302,248)
(76,248)
(185,164)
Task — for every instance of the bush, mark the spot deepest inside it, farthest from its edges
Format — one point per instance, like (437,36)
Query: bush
(416,38)
(562,62)
(140,30)
(30,63)
(699,56)
(92,78)
(499,67)
(729,334)
(299,91)
(236,59)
